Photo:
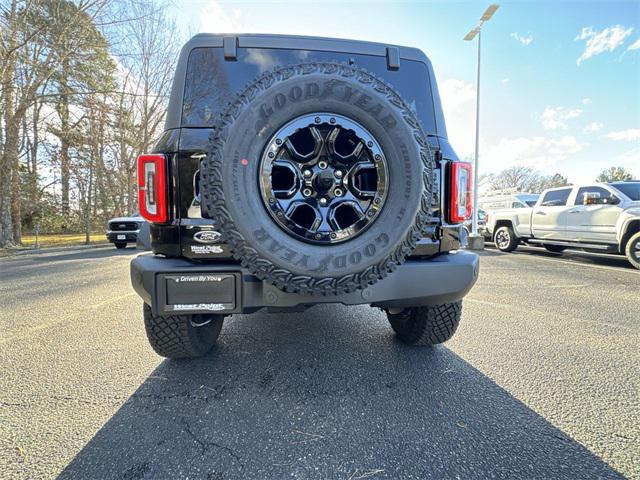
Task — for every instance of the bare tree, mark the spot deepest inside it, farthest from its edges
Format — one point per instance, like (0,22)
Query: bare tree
(614,174)
(28,61)
(147,55)
(84,90)
(525,179)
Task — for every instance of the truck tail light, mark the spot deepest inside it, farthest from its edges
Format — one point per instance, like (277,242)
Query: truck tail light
(461,203)
(152,187)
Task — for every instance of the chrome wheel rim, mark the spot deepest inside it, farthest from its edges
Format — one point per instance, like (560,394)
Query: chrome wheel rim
(635,251)
(502,239)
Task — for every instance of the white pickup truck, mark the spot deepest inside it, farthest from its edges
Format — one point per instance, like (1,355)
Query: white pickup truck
(603,217)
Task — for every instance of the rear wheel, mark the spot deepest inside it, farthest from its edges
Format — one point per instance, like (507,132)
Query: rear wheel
(120,245)
(505,239)
(555,248)
(632,250)
(182,336)
(428,325)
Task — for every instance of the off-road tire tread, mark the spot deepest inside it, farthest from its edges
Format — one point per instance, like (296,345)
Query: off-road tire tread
(427,326)
(172,336)
(214,206)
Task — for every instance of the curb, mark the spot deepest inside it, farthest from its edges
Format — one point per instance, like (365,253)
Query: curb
(34,251)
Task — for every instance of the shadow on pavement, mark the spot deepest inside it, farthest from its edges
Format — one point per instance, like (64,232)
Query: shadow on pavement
(12,265)
(577,256)
(329,395)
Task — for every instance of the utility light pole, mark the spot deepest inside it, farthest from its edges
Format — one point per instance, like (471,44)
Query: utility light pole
(486,16)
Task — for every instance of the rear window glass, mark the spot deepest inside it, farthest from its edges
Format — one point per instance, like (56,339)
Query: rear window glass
(211,81)
(631,189)
(556,198)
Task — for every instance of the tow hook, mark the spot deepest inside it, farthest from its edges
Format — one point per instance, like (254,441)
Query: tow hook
(200,320)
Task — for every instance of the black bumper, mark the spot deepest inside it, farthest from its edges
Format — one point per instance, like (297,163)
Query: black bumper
(171,285)
(129,237)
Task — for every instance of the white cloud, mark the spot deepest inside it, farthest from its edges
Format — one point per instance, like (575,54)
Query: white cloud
(598,42)
(593,127)
(554,118)
(521,38)
(631,161)
(586,101)
(539,152)
(216,18)
(635,45)
(458,104)
(504,81)
(629,134)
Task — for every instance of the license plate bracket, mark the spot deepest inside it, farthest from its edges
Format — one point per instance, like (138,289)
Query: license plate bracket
(190,293)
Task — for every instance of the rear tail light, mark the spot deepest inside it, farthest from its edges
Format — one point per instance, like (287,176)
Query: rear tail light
(152,187)
(461,204)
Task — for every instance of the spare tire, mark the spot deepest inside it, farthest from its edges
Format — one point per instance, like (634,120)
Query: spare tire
(319,178)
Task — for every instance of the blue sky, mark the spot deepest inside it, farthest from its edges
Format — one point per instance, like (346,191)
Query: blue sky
(560,87)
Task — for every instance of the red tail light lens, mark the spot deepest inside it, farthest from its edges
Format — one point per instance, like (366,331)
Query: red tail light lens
(461,192)
(152,187)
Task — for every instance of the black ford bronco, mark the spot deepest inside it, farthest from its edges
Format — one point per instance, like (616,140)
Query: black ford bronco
(295,171)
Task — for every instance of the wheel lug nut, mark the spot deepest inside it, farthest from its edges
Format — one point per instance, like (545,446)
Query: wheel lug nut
(278,141)
(307,173)
(337,192)
(323,202)
(338,173)
(369,144)
(306,192)
(271,154)
(322,164)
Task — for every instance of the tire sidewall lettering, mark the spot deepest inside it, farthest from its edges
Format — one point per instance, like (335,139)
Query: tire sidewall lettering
(338,262)
(334,89)
(271,254)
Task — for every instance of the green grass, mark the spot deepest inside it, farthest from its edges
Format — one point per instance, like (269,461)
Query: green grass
(62,239)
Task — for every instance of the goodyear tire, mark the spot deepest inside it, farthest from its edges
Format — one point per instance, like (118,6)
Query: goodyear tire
(182,336)
(426,326)
(231,176)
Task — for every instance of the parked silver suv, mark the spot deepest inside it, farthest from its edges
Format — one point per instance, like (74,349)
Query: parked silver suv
(603,217)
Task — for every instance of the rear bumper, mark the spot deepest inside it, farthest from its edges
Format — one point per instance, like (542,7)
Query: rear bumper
(171,285)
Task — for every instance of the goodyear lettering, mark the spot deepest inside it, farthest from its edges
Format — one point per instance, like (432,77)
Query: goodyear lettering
(332,88)
(323,264)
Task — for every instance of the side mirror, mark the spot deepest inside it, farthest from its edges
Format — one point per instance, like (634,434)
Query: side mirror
(592,198)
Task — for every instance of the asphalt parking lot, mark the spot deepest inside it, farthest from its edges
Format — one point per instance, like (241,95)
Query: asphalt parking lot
(541,381)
